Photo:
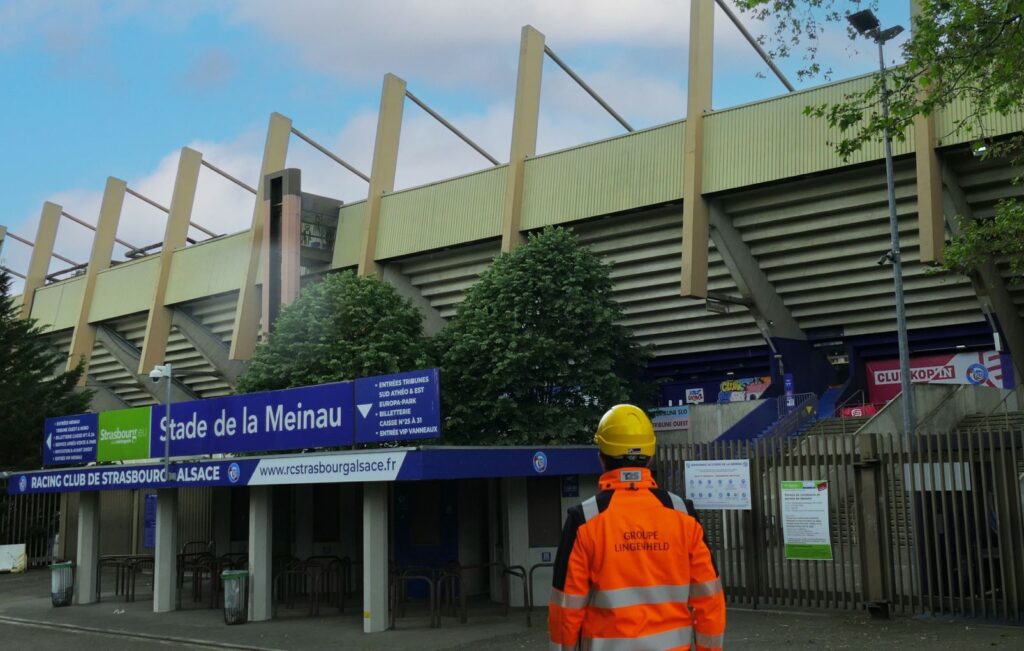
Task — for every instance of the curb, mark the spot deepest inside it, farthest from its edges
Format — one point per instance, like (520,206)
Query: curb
(128,634)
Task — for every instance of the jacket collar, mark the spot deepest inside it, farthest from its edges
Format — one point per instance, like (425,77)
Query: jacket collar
(627,479)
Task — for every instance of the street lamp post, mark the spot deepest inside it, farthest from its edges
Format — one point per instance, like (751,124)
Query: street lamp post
(166,373)
(866,23)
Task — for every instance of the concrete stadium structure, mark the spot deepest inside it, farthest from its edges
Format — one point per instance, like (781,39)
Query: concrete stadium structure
(746,210)
(749,205)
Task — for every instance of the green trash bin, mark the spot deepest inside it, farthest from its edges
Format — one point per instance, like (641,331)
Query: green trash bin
(236,596)
(62,583)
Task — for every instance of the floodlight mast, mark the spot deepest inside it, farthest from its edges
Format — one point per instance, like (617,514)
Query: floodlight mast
(867,24)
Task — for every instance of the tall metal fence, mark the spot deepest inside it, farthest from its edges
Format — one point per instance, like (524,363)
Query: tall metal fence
(30,519)
(933,524)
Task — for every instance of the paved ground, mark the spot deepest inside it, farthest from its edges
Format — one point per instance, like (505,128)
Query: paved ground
(28,621)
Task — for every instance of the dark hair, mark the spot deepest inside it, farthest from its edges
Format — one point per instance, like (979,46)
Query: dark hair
(627,461)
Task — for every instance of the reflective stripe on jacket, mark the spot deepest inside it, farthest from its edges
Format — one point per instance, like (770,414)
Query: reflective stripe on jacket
(631,565)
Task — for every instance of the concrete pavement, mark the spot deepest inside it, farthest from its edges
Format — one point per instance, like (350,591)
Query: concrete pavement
(28,621)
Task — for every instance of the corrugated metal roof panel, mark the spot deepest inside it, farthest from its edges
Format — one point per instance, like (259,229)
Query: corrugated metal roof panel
(457,211)
(348,242)
(642,168)
(773,139)
(57,305)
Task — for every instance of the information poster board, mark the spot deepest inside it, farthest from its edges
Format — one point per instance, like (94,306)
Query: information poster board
(719,484)
(805,529)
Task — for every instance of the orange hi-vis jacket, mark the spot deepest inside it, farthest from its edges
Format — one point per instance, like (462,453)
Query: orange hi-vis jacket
(631,565)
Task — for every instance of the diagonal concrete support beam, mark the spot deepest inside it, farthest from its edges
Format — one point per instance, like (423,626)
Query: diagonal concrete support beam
(209,345)
(128,356)
(103,397)
(772,316)
(987,281)
(433,322)
(158,324)
(84,335)
(42,252)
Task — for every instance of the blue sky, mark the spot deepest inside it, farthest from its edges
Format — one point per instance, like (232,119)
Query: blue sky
(116,87)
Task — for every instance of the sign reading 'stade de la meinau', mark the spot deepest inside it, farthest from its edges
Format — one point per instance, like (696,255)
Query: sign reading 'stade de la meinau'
(404,406)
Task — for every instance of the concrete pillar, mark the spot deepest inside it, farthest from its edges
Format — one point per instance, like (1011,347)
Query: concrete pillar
(282,243)
(303,505)
(383,167)
(517,526)
(222,520)
(524,134)
(261,553)
(247,312)
(165,555)
(375,557)
(88,547)
(930,219)
(694,281)
(874,548)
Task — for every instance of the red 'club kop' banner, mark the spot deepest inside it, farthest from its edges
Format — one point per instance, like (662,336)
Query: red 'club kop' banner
(983,369)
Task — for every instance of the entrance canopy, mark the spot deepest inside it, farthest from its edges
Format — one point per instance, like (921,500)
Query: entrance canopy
(390,464)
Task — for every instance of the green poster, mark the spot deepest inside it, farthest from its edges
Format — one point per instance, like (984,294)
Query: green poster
(123,435)
(805,529)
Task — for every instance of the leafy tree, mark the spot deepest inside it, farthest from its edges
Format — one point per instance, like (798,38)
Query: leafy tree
(339,329)
(32,387)
(968,50)
(958,49)
(534,354)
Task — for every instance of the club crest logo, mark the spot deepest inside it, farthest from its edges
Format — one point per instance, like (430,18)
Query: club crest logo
(234,473)
(540,462)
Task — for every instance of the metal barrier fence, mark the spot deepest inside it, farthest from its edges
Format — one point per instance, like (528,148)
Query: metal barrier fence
(930,525)
(29,519)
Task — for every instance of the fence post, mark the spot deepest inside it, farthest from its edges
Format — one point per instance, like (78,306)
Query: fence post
(872,530)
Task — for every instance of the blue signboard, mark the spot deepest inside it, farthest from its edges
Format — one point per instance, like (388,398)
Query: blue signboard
(290,419)
(385,464)
(69,440)
(149,522)
(398,407)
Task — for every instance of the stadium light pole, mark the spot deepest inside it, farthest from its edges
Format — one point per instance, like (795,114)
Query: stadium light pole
(866,23)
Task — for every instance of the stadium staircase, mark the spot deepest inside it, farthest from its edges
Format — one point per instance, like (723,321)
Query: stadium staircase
(1002,421)
(831,426)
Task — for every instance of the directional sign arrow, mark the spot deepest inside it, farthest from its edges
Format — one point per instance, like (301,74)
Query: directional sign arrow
(365,409)
(49,438)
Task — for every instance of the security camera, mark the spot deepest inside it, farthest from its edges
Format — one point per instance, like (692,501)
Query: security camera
(156,375)
(885,257)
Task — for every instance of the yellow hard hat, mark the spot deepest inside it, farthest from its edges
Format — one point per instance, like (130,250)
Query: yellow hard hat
(625,430)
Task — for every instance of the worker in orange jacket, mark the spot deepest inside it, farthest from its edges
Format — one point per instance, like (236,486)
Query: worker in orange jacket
(632,563)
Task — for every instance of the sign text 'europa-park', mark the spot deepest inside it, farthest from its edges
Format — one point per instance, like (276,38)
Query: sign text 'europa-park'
(399,407)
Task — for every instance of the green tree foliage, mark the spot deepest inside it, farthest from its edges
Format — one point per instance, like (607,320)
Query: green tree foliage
(31,389)
(534,354)
(978,241)
(958,49)
(339,329)
(968,50)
